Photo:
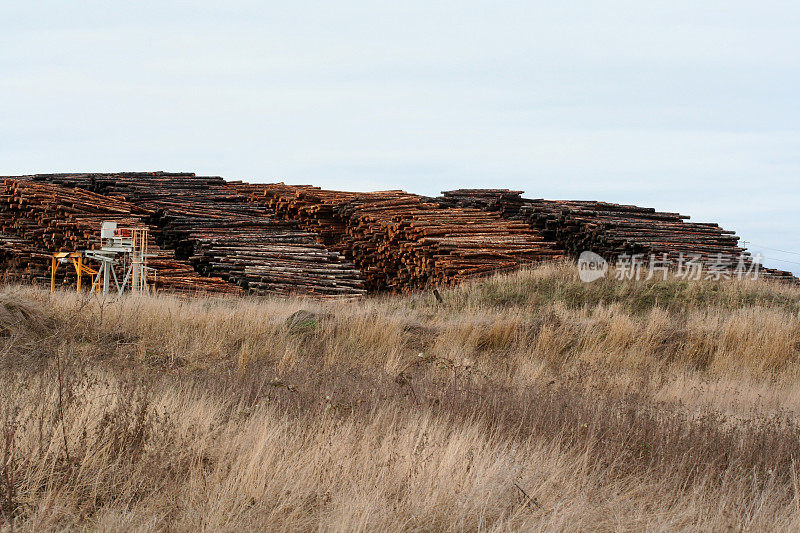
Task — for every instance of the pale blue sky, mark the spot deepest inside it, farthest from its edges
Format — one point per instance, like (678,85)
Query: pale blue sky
(675,105)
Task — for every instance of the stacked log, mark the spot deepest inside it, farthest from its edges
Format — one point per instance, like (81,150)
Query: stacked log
(288,262)
(151,190)
(37,219)
(210,224)
(402,241)
(22,261)
(616,230)
(505,201)
(217,236)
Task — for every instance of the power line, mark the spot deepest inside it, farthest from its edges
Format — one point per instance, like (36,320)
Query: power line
(773,249)
(782,260)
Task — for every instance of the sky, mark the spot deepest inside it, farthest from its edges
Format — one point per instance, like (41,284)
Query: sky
(683,106)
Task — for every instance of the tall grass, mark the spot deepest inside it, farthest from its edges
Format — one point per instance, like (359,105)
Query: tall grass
(527,401)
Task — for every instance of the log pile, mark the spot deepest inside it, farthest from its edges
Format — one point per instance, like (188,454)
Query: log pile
(216,236)
(37,219)
(210,224)
(402,241)
(615,230)
(22,261)
(504,201)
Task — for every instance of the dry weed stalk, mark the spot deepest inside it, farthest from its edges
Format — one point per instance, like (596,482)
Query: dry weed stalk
(529,401)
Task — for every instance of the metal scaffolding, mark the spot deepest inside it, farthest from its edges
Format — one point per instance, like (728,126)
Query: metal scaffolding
(123,250)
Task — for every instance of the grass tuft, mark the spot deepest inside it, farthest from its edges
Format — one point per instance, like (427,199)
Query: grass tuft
(525,401)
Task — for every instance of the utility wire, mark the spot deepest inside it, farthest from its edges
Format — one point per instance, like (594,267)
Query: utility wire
(773,249)
(782,260)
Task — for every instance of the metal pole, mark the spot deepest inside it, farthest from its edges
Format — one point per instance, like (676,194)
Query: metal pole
(125,280)
(137,264)
(53,267)
(116,281)
(106,276)
(79,268)
(96,282)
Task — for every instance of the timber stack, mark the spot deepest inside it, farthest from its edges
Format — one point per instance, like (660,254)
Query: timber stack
(617,230)
(22,260)
(38,219)
(215,236)
(211,225)
(504,201)
(402,241)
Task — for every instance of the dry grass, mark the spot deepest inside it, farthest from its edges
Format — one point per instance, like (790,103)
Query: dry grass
(528,401)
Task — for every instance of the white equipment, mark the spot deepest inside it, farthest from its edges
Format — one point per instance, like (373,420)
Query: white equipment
(126,248)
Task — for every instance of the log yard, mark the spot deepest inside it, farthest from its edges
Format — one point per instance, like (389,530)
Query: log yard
(209,236)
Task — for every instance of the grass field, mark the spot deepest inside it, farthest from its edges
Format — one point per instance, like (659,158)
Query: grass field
(528,401)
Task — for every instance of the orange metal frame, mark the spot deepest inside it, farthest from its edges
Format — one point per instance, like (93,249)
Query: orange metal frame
(77,261)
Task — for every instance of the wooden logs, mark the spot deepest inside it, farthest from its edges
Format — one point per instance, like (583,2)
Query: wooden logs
(210,225)
(216,236)
(38,219)
(401,241)
(612,230)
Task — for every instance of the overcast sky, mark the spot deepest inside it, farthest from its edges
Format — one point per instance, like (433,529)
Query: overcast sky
(683,106)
